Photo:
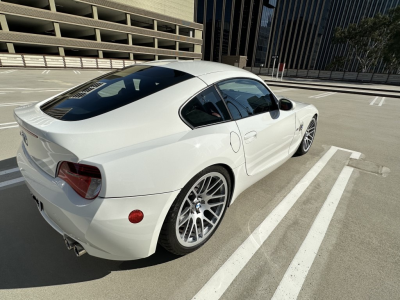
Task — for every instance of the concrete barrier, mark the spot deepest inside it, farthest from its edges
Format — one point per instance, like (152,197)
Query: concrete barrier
(51,61)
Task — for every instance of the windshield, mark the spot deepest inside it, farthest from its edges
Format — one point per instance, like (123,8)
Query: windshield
(120,88)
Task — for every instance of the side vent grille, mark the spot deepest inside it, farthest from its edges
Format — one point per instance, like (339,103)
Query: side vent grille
(58,113)
(88,90)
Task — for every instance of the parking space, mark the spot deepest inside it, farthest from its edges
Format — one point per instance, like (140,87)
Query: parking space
(322,226)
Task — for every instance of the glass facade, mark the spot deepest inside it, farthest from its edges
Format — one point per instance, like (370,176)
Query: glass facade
(298,31)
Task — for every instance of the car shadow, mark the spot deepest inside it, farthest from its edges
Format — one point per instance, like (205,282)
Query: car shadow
(32,254)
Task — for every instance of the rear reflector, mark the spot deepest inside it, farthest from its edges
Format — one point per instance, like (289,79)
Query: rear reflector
(135,216)
(84,179)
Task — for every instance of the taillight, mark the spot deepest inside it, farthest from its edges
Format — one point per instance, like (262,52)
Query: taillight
(84,179)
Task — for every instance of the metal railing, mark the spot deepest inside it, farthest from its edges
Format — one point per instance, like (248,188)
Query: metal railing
(331,75)
(48,61)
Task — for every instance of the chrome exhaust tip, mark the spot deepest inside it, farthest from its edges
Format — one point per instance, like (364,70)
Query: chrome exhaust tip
(79,250)
(69,243)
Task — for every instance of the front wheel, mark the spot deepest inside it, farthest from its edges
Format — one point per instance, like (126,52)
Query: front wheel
(197,211)
(308,138)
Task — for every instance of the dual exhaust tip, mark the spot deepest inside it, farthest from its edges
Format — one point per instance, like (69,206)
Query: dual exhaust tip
(71,244)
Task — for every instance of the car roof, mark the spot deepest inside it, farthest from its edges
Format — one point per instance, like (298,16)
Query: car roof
(195,67)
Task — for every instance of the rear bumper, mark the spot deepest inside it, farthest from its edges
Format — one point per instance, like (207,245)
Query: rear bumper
(101,225)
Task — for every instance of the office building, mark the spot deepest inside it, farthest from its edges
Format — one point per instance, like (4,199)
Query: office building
(299,32)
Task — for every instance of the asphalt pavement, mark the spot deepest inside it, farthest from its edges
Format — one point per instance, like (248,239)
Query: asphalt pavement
(323,226)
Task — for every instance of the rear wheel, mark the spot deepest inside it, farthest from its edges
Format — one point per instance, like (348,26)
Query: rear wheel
(308,138)
(197,211)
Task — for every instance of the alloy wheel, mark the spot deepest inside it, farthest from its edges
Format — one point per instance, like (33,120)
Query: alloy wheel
(202,209)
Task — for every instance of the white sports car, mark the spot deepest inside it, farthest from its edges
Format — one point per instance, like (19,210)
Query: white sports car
(154,153)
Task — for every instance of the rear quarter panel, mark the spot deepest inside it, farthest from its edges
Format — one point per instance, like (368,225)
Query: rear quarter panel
(166,164)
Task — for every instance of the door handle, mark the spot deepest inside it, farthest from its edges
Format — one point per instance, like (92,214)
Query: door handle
(250,136)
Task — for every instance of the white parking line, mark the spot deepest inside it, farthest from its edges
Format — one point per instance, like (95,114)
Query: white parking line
(12,181)
(14,126)
(9,171)
(8,125)
(222,279)
(323,95)
(376,98)
(373,101)
(16,104)
(293,280)
(46,72)
(283,90)
(7,72)
(77,72)
(43,91)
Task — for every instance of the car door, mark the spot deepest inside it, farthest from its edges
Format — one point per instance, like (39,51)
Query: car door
(266,131)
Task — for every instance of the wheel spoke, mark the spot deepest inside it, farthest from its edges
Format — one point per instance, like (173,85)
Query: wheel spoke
(190,231)
(219,179)
(213,193)
(216,197)
(202,227)
(215,215)
(184,220)
(196,231)
(184,232)
(216,204)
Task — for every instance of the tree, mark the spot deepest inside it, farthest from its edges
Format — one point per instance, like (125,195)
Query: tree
(391,54)
(367,40)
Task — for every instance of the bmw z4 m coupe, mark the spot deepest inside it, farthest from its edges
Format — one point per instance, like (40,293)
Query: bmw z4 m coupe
(154,153)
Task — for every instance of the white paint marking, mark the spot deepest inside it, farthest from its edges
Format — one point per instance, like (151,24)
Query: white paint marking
(77,72)
(283,90)
(293,280)
(326,95)
(222,279)
(9,127)
(12,181)
(224,276)
(8,71)
(313,96)
(380,103)
(373,101)
(8,123)
(9,171)
(15,88)
(28,92)
(323,95)
(16,103)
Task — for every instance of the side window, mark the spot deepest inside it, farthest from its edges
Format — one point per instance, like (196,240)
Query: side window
(246,97)
(205,109)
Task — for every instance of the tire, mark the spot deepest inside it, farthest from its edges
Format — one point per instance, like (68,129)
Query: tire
(308,138)
(192,207)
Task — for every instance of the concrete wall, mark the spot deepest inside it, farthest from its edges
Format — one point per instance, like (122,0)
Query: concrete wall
(181,9)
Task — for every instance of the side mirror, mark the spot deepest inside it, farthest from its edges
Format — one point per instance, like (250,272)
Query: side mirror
(286,104)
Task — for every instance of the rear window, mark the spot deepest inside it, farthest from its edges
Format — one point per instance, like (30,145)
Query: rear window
(120,88)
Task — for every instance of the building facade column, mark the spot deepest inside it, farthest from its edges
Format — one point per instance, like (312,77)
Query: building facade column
(177,43)
(155,28)
(4,26)
(197,35)
(57,31)
(97,31)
